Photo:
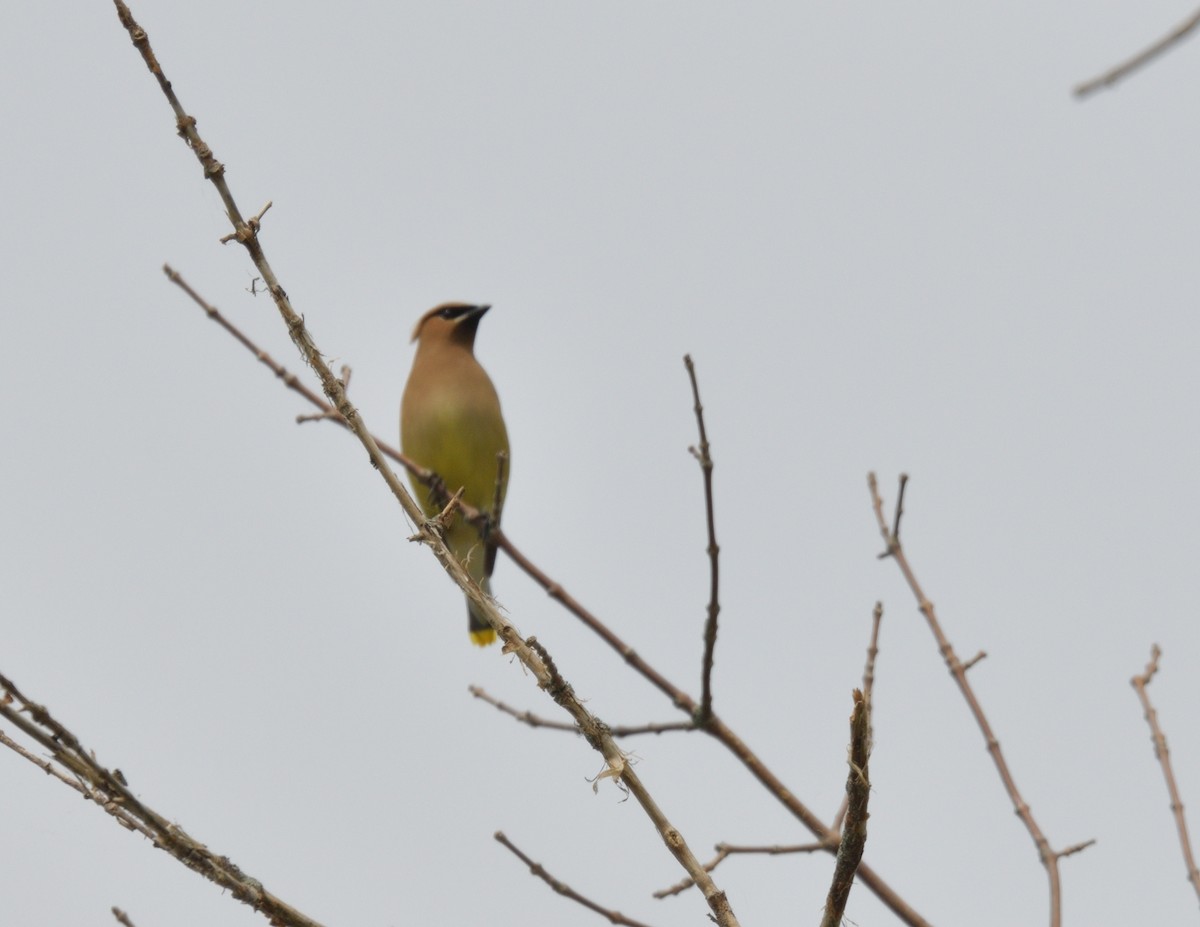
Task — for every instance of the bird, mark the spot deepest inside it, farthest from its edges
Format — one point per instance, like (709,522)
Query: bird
(450,423)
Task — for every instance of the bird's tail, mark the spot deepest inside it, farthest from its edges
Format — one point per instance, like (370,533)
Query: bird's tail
(480,631)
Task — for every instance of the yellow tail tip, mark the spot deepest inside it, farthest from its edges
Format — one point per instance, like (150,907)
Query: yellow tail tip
(483,637)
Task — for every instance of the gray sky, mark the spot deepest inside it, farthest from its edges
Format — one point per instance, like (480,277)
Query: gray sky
(890,239)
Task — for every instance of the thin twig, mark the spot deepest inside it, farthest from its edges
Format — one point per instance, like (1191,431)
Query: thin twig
(344,376)
(529,718)
(537,869)
(872,653)
(1076,848)
(1159,739)
(854,833)
(703,454)
(535,659)
(868,688)
(725,850)
(899,506)
(122,917)
(716,728)
(1125,68)
(107,789)
(1048,856)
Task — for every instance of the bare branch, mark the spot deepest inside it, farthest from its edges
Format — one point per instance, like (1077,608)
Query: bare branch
(868,688)
(957,669)
(899,506)
(537,869)
(722,732)
(528,717)
(872,653)
(703,454)
(1125,68)
(854,834)
(122,917)
(333,414)
(108,790)
(1076,848)
(1159,739)
(725,850)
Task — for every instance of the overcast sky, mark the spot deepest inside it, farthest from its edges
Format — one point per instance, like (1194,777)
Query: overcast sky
(891,240)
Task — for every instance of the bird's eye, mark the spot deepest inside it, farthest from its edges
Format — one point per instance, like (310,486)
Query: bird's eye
(452,312)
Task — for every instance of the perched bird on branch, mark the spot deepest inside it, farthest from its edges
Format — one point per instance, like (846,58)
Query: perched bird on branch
(450,423)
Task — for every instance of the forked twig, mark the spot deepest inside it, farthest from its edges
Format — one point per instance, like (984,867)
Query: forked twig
(703,455)
(1159,739)
(1049,857)
(872,653)
(537,869)
(868,690)
(617,730)
(333,414)
(854,833)
(725,850)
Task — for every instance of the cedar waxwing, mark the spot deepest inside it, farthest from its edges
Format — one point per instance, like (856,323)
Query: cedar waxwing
(450,423)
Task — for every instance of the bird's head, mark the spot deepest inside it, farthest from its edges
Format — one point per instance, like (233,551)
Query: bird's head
(448,322)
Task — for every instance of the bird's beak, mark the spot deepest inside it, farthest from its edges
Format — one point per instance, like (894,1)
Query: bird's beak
(477,312)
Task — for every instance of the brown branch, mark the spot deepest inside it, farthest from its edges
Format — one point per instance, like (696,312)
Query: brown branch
(344,376)
(1144,57)
(725,850)
(899,506)
(872,653)
(1159,739)
(537,869)
(529,718)
(107,789)
(122,917)
(532,656)
(868,688)
(1076,848)
(717,729)
(704,456)
(858,793)
(958,670)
